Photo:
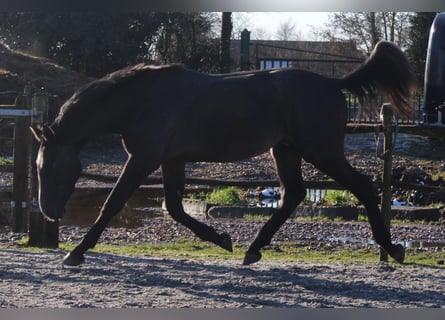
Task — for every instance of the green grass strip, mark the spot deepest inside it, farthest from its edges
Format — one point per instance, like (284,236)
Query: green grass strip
(291,252)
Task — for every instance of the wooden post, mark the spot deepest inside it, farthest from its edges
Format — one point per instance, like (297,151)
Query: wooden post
(19,202)
(245,50)
(42,233)
(386,116)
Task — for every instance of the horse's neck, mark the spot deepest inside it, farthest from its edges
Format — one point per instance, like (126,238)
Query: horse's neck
(78,131)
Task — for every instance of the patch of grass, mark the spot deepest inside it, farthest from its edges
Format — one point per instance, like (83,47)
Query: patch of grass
(340,198)
(319,219)
(291,252)
(225,196)
(185,248)
(6,161)
(437,205)
(201,195)
(438,175)
(23,242)
(252,216)
(190,249)
(179,248)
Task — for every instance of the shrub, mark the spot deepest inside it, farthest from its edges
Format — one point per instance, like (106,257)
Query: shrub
(339,198)
(225,196)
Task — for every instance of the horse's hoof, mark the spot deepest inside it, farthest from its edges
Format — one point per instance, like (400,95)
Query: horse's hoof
(250,258)
(399,253)
(73,260)
(226,242)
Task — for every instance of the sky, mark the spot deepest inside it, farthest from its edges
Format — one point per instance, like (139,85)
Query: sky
(265,24)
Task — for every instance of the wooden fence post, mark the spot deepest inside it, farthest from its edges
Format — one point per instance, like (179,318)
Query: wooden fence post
(42,233)
(386,116)
(20,202)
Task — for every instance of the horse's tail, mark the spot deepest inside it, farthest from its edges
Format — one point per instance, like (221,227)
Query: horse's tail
(387,69)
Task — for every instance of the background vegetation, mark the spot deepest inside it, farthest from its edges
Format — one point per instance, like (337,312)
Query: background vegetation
(98,43)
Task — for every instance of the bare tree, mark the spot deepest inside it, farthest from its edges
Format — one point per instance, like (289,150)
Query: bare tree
(240,21)
(367,28)
(287,31)
(260,34)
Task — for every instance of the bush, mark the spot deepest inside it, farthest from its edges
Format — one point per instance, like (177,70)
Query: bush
(225,196)
(339,198)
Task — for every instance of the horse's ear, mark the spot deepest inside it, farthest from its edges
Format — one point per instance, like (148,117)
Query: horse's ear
(37,133)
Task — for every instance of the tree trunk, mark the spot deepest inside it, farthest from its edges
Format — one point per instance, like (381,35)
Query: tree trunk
(375,37)
(226,32)
(393,26)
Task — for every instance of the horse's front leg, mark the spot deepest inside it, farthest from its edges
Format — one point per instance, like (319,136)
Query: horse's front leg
(173,174)
(134,172)
(288,166)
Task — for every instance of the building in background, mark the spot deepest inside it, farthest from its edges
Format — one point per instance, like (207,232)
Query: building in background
(333,59)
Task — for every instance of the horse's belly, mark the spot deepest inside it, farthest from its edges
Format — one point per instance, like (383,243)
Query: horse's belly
(227,151)
(230,153)
(228,137)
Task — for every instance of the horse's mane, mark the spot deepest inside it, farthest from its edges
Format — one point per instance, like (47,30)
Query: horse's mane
(130,71)
(122,75)
(102,86)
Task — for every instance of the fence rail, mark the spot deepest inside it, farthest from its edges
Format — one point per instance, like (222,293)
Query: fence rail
(353,114)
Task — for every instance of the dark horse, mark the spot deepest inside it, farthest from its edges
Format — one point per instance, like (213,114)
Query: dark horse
(169,115)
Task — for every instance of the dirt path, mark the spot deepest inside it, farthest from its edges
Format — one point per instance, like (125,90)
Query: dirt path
(37,279)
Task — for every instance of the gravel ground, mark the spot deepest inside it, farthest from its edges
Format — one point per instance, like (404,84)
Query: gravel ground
(37,279)
(315,234)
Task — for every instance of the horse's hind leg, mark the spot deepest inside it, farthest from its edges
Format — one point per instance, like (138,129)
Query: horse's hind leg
(338,168)
(135,170)
(288,166)
(173,175)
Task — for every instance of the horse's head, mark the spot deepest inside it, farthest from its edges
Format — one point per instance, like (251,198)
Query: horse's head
(58,168)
